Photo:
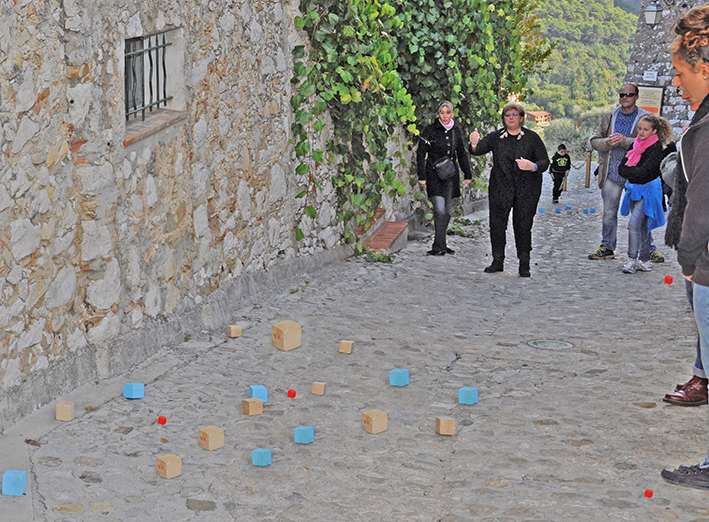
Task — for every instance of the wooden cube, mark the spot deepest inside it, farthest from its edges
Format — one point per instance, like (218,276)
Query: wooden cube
(233,331)
(374,421)
(65,411)
(346,346)
(211,438)
(169,466)
(252,406)
(286,335)
(319,388)
(445,426)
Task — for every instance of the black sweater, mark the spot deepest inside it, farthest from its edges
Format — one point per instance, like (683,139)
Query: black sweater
(506,178)
(647,169)
(560,164)
(435,144)
(692,252)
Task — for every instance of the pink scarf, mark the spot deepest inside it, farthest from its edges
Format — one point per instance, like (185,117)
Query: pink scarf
(450,124)
(639,146)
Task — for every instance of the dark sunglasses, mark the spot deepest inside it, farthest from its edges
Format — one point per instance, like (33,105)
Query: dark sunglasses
(626,94)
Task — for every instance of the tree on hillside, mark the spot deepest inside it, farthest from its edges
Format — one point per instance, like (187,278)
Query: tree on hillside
(474,53)
(632,6)
(594,40)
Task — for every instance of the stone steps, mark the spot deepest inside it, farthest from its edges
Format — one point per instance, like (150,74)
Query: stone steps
(391,237)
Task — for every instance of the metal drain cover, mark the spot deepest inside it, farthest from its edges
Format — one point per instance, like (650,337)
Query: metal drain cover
(550,345)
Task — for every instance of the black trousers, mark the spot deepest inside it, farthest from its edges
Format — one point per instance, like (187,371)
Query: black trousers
(523,208)
(558,180)
(442,210)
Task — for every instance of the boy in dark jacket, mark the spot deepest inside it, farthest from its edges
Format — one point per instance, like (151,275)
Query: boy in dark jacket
(559,168)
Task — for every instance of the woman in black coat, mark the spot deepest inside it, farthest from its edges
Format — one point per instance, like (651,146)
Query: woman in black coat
(519,158)
(440,140)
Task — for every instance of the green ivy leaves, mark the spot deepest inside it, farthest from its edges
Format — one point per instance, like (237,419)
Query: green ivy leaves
(376,66)
(350,71)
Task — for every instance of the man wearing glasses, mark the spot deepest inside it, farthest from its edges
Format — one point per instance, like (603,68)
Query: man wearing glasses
(613,138)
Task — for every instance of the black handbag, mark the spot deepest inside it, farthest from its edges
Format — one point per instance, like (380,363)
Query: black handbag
(445,169)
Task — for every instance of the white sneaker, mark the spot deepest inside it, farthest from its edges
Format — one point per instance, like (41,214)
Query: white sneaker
(643,266)
(629,267)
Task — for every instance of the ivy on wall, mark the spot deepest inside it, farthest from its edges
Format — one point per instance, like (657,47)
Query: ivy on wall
(375,66)
(350,72)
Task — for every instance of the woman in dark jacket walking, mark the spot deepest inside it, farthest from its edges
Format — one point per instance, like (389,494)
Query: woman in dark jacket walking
(440,140)
(519,158)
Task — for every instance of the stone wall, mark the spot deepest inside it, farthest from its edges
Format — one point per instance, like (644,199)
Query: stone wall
(651,52)
(106,250)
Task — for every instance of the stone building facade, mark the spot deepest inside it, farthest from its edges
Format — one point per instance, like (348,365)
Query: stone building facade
(651,54)
(116,237)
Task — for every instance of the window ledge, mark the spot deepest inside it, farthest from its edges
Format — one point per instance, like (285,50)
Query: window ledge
(154,121)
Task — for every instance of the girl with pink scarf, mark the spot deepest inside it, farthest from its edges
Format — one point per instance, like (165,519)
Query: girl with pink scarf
(643,196)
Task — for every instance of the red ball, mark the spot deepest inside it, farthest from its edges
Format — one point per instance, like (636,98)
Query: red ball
(162,420)
(668,279)
(648,493)
(291,394)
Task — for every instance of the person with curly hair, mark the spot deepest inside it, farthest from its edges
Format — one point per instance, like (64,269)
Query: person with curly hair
(690,59)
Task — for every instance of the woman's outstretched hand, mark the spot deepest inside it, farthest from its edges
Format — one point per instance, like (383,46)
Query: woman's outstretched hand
(474,138)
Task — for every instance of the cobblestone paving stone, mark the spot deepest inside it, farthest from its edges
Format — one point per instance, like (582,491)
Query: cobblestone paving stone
(571,434)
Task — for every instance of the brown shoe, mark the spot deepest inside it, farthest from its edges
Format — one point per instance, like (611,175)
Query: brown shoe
(693,394)
(688,383)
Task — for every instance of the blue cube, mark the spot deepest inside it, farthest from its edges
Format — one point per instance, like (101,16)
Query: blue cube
(399,377)
(592,210)
(585,211)
(257,391)
(568,207)
(304,434)
(134,390)
(558,211)
(541,209)
(14,483)
(468,395)
(261,457)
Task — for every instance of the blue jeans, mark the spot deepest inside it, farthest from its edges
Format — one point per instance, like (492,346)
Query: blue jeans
(611,193)
(698,366)
(701,315)
(638,234)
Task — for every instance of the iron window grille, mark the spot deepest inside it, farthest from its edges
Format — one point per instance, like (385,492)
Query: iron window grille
(145,69)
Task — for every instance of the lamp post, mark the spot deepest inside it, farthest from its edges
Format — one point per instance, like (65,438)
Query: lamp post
(653,12)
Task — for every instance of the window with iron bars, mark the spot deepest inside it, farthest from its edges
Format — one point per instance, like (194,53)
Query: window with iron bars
(146,74)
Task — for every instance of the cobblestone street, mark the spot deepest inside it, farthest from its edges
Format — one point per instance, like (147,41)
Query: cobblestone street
(562,432)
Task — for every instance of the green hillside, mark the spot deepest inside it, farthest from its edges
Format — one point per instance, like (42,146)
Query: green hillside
(594,41)
(632,6)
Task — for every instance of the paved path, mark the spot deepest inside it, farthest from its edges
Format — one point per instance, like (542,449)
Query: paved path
(573,434)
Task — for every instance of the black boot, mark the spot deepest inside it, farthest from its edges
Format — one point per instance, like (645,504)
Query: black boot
(524,266)
(498,265)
